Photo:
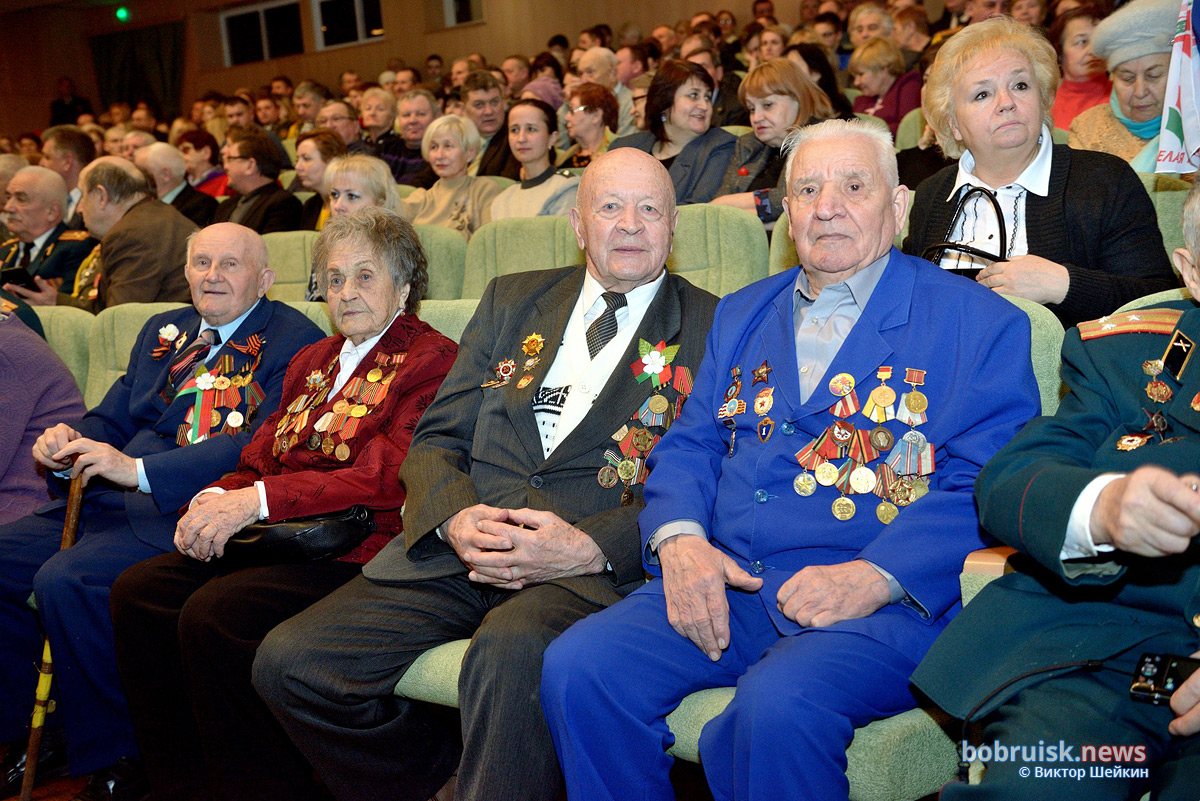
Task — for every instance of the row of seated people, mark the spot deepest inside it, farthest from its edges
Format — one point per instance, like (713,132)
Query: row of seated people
(581,406)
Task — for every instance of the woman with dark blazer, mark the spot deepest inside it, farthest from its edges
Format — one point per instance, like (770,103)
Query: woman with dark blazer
(678,115)
(1081,236)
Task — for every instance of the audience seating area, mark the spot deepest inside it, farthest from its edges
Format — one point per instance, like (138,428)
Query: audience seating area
(720,249)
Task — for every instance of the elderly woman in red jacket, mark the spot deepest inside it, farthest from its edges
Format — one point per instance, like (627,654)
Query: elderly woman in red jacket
(188,623)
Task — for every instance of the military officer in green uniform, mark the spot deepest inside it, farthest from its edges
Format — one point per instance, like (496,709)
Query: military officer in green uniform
(42,244)
(1102,502)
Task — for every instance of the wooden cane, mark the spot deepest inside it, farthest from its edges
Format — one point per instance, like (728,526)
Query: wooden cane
(46,671)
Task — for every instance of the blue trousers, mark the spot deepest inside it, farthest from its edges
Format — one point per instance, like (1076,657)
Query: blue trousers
(610,680)
(72,590)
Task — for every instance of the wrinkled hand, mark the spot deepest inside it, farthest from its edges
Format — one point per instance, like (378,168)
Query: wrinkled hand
(464,536)
(822,595)
(1030,277)
(1185,702)
(51,442)
(695,575)
(1150,512)
(203,531)
(46,295)
(543,547)
(96,460)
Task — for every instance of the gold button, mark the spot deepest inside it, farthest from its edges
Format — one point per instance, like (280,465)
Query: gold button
(804,369)
(1196,620)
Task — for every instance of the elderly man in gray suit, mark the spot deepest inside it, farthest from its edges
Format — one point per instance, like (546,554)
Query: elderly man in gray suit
(524,483)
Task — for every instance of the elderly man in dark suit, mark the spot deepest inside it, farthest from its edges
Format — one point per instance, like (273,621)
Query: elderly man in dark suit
(44,245)
(253,163)
(143,244)
(199,382)
(1102,501)
(165,164)
(524,483)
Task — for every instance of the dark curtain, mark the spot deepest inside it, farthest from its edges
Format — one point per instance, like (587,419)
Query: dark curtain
(143,64)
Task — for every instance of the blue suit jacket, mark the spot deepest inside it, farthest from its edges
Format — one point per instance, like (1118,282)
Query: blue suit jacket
(135,418)
(974,347)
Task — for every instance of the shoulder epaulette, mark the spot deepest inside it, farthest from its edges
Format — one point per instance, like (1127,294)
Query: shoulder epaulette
(1138,321)
(7,306)
(8,242)
(71,235)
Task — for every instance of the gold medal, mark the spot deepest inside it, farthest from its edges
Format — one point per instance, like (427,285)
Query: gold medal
(862,480)
(1131,442)
(532,345)
(901,492)
(826,474)
(341,407)
(916,401)
(764,401)
(342,452)
(920,487)
(358,410)
(314,441)
(843,508)
(222,383)
(1195,404)
(1159,392)
(626,470)
(607,476)
(214,420)
(804,484)
(658,404)
(642,440)
(374,375)
(327,445)
(886,512)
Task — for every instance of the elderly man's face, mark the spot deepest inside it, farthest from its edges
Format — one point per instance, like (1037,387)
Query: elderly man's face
(459,71)
(667,40)
(28,212)
(486,110)
(867,25)
(595,68)
(842,214)
(55,158)
(307,107)
(223,273)
(362,297)
(340,119)
(625,220)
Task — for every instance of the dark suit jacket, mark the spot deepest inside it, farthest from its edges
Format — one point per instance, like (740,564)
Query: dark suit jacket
(728,109)
(64,251)
(142,259)
(498,158)
(698,169)
(272,208)
(1096,220)
(481,445)
(196,206)
(135,417)
(1053,612)
(974,349)
(303,481)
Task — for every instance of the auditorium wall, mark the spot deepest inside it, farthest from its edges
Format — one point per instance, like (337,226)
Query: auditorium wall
(38,44)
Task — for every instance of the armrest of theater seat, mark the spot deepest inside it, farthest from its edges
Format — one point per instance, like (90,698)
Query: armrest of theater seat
(981,567)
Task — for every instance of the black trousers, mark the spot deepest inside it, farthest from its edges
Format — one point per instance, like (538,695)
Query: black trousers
(186,633)
(328,674)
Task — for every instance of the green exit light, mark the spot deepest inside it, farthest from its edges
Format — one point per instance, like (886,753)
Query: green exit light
(123,14)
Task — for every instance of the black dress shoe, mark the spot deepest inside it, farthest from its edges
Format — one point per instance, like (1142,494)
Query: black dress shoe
(52,762)
(124,781)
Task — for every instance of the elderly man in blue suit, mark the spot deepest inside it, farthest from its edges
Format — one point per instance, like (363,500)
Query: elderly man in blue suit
(199,381)
(810,510)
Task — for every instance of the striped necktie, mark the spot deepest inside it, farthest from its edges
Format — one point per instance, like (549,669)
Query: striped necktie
(192,355)
(604,328)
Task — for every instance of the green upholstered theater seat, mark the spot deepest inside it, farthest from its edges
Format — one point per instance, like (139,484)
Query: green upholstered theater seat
(1167,193)
(446,253)
(1045,350)
(113,334)
(515,245)
(317,312)
(67,329)
(449,317)
(405,190)
(737,130)
(289,254)
(1157,298)
(719,248)
(911,126)
(286,177)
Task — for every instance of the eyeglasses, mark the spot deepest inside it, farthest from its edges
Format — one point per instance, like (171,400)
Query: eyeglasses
(577,109)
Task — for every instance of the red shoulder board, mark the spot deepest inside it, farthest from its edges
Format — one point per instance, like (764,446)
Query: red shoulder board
(1138,321)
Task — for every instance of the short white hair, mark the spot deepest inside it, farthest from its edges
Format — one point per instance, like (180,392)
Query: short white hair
(839,130)
(160,155)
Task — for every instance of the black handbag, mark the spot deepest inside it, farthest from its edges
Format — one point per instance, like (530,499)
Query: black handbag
(305,539)
(935,252)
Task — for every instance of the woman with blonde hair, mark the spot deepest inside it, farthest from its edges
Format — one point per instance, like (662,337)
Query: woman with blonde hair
(1073,230)
(779,98)
(888,92)
(456,200)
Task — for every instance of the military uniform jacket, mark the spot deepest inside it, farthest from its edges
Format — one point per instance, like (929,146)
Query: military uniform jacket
(60,257)
(974,349)
(479,444)
(302,469)
(1053,612)
(140,418)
